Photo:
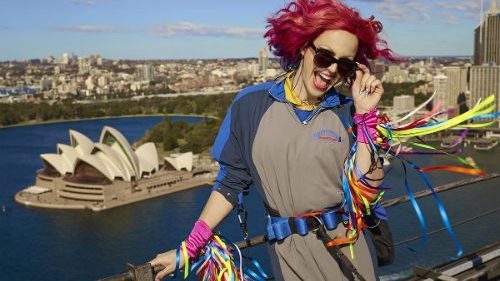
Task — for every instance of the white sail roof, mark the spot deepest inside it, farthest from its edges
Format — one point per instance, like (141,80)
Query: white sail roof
(148,157)
(181,161)
(97,163)
(69,153)
(126,171)
(80,142)
(58,162)
(112,156)
(118,142)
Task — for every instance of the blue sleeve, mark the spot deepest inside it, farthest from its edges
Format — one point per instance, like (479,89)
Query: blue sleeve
(233,177)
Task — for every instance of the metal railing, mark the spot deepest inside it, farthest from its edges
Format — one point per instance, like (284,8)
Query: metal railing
(145,272)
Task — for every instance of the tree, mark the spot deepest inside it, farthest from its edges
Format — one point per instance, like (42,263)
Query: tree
(169,141)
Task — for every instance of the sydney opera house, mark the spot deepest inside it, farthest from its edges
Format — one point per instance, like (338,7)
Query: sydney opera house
(107,174)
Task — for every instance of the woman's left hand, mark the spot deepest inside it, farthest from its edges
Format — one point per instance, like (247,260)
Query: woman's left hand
(366,90)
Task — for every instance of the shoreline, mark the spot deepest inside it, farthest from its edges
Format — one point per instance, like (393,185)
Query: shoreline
(36,123)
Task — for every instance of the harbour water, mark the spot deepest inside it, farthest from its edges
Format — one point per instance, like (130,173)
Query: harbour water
(40,244)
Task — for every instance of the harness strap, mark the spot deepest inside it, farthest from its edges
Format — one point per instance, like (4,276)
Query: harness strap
(278,228)
(347,267)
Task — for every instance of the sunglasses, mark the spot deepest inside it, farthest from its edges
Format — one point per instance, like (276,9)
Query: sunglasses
(324,58)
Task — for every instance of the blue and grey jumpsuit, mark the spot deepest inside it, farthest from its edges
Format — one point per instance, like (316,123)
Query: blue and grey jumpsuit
(294,160)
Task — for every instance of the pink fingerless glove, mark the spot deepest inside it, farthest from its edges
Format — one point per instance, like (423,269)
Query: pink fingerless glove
(198,237)
(366,123)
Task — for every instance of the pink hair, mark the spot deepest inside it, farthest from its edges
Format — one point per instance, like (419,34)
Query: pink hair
(301,21)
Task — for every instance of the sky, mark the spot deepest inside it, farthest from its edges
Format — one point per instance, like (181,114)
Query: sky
(191,29)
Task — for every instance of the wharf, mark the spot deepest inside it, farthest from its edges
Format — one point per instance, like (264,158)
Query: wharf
(73,196)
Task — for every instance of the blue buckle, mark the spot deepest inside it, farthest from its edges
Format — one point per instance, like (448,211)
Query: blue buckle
(301,226)
(330,220)
(279,228)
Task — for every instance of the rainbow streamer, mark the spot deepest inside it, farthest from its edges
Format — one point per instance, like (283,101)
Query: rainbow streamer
(362,198)
(215,262)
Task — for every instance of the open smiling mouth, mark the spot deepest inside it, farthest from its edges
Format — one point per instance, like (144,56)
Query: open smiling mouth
(322,79)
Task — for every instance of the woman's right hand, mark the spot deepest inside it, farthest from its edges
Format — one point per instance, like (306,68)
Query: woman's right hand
(167,260)
(216,209)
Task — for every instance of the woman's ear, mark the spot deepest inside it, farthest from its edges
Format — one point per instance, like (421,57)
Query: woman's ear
(303,51)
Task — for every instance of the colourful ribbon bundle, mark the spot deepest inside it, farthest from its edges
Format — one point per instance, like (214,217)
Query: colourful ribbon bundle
(362,198)
(215,262)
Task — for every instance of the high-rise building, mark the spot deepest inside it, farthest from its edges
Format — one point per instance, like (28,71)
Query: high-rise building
(484,81)
(102,81)
(441,88)
(83,65)
(378,69)
(65,58)
(45,83)
(95,59)
(145,72)
(73,58)
(487,37)
(395,74)
(456,84)
(253,68)
(478,51)
(462,103)
(89,83)
(263,60)
(99,60)
(403,103)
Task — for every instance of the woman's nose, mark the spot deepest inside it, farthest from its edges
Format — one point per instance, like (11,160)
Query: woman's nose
(333,68)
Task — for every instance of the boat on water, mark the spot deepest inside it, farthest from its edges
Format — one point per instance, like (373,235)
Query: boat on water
(451,142)
(406,148)
(485,144)
(471,161)
(387,158)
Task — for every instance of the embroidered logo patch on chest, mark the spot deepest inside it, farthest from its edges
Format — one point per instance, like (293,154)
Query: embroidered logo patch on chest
(328,135)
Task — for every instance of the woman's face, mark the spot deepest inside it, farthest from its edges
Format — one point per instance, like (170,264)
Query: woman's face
(317,80)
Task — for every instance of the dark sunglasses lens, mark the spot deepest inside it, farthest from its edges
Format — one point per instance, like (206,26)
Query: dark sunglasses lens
(323,60)
(346,68)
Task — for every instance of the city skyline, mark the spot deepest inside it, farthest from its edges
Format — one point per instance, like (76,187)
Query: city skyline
(174,30)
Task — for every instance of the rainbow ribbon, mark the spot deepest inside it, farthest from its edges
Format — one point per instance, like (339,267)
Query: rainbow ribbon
(362,198)
(215,262)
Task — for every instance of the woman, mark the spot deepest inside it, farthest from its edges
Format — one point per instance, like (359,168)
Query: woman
(288,140)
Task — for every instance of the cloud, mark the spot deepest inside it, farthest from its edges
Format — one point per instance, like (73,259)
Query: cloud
(193,29)
(451,18)
(464,5)
(90,28)
(404,10)
(83,2)
(465,8)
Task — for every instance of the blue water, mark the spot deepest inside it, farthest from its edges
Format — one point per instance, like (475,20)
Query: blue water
(40,244)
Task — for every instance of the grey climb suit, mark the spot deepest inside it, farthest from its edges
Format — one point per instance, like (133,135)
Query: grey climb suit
(295,166)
